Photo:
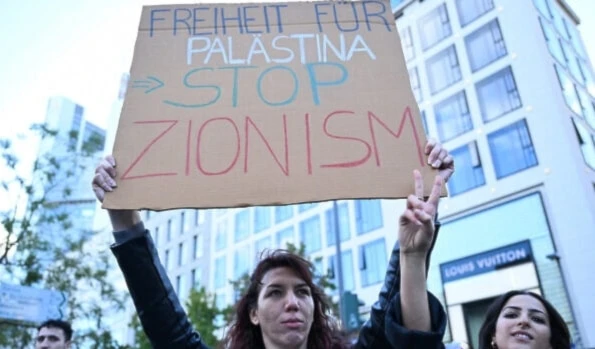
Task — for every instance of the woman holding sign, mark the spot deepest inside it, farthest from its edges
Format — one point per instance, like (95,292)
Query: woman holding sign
(283,308)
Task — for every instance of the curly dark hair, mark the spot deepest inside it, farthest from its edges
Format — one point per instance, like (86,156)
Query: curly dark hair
(61,324)
(560,336)
(242,334)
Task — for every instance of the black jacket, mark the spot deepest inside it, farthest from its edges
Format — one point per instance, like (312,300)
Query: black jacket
(167,326)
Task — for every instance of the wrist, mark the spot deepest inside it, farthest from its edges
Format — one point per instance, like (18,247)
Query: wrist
(123,219)
(413,260)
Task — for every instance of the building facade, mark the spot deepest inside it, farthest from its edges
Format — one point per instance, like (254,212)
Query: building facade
(71,195)
(507,87)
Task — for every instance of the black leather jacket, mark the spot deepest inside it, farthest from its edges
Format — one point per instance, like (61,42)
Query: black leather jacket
(167,326)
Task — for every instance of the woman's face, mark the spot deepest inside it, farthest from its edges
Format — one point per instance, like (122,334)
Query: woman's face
(523,323)
(285,310)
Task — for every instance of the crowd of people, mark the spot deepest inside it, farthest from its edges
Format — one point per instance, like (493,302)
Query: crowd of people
(284,308)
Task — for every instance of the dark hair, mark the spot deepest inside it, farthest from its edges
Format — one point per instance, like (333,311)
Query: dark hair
(244,334)
(56,323)
(559,338)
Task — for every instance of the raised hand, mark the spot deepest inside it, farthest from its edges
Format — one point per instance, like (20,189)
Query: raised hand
(105,181)
(440,159)
(416,224)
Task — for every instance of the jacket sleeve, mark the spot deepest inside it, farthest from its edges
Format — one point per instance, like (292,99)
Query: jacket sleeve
(161,314)
(373,334)
(401,337)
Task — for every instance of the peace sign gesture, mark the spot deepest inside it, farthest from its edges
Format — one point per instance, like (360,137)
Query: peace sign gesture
(416,224)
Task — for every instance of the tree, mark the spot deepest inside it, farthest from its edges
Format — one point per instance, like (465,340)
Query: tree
(140,338)
(41,244)
(202,312)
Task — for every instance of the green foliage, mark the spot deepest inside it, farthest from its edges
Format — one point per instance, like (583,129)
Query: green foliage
(140,338)
(202,311)
(41,246)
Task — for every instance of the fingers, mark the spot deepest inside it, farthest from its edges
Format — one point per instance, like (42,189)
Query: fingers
(434,157)
(409,217)
(429,146)
(436,191)
(413,202)
(103,181)
(418,183)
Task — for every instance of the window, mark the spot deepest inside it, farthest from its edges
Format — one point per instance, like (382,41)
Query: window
(443,69)
(407,44)
(195,278)
(469,169)
(262,218)
(553,43)
(576,41)
(569,91)
(183,226)
(343,214)
(180,254)
(588,107)
(169,228)
(512,149)
(372,262)
(167,263)
(221,237)
(415,86)
(242,225)
(283,213)
(424,122)
(434,27)
(585,141)
(261,245)
(306,207)
(178,284)
(368,215)
(284,237)
(310,234)
(452,117)
(470,10)
(220,277)
(347,268)
(588,76)
(156,237)
(498,95)
(573,65)
(485,45)
(241,264)
(543,7)
(197,246)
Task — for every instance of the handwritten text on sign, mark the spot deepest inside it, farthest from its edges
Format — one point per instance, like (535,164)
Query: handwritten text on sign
(234,105)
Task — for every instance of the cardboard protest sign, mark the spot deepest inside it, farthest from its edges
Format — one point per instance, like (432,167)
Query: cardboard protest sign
(270,103)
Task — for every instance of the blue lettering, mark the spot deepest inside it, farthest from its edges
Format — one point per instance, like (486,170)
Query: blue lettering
(189,85)
(315,83)
(197,20)
(379,14)
(153,19)
(293,94)
(319,13)
(248,19)
(237,19)
(234,96)
(183,20)
(279,17)
(355,20)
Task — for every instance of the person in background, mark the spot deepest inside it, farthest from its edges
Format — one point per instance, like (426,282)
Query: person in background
(522,319)
(53,334)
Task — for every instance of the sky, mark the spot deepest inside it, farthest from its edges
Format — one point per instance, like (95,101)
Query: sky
(79,49)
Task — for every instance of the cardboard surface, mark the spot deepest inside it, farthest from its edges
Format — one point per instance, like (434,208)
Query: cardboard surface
(255,104)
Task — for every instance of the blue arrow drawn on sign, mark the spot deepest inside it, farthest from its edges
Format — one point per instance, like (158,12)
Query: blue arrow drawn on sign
(148,84)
